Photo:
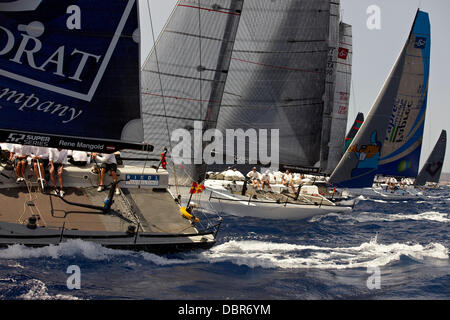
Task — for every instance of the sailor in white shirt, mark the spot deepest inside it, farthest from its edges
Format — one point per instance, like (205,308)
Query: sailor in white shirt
(57,160)
(20,155)
(6,151)
(255,178)
(265,180)
(288,180)
(78,158)
(39,158)
(107,162)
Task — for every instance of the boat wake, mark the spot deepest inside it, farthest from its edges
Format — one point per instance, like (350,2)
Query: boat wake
(384,217)
(79,248)
(289,256)
(250,253)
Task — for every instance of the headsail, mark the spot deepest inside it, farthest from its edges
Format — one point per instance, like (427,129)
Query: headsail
(277,74)
(69,74)
(341,99)
(431,171)
(400,155)
(354,130)
(184,76)
(403,94)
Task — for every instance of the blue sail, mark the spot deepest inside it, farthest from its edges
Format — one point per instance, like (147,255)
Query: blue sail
(69,73)
(403,143)
(389,140)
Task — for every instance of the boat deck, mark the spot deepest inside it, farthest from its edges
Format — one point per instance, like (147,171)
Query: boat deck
(153,210)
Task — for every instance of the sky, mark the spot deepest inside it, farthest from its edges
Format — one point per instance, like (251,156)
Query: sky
(375,52)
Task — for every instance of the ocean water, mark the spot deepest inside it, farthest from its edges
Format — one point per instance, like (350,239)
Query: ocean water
(381,250)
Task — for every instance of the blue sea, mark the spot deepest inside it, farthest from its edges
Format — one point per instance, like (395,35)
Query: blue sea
(381,250)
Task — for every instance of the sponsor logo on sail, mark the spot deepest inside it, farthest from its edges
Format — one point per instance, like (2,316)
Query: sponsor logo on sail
(343,53)
(30,49)
(420,43)
(434,167)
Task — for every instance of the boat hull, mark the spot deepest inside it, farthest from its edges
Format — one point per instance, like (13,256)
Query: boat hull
(150,209)
(223,201)
(11,234)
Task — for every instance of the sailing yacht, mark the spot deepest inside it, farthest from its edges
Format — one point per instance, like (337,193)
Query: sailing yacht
(430,173)
(390,140)
(290,71)
(70,78)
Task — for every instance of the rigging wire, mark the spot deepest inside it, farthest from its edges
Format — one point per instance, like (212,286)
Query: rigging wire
(162,91)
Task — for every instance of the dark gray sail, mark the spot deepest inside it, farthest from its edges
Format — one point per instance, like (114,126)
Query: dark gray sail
(183,78)
(341,100)
(278,73)
(431,171)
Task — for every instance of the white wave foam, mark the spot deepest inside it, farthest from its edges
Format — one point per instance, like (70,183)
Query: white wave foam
(251,253)
(425,216)
(89,250)
(384,217)
(288,256)
(39,291)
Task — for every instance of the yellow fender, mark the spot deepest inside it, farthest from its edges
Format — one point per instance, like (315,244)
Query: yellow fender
(185,213)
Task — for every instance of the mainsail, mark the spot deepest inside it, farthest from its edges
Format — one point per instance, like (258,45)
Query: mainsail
(278,73)
(69,74)
(184,76)
(388,140)
(341,99)
(354,130)
(431,171)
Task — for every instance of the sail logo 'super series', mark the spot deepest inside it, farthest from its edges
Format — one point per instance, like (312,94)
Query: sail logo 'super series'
(59,64)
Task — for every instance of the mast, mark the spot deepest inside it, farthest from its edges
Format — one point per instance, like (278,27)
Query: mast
(406,86)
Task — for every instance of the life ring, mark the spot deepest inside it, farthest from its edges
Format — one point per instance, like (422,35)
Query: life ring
(186,214)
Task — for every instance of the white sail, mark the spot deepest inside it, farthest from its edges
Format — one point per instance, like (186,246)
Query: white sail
(341,98)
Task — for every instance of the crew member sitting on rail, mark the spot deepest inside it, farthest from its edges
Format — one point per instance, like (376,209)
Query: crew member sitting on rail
(5,149)
(39,157)
(265,180)
(255,179)
(108,163)
(57,160)
(288,180)
(20,155)
(78,158)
